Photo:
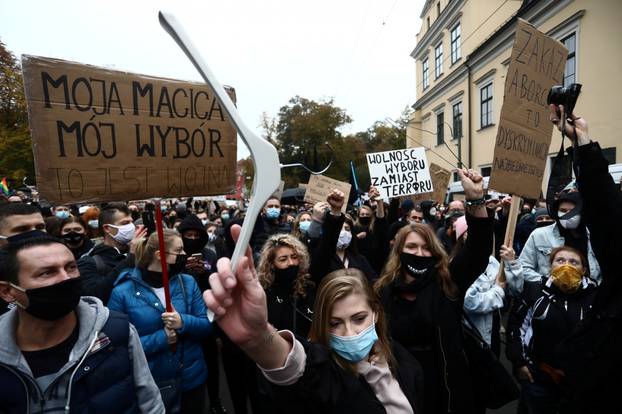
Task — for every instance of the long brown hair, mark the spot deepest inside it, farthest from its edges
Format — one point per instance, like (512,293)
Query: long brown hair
(334,287)
(266,263)
(145,251)
(393,268)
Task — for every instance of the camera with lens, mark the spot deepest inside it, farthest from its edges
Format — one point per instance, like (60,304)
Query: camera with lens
(567,96)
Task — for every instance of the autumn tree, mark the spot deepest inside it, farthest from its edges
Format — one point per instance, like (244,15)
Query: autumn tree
(16,161)
(300,131)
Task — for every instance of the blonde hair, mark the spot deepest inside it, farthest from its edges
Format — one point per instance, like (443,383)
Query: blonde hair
(334,287)
(145,251)
(268,255)
(372,217)
(393,268)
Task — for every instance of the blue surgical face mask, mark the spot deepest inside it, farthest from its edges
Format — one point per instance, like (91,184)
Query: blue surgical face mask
(62,214)
(224,217)
(94,224)
(355,348)
(304,226)
(273,212)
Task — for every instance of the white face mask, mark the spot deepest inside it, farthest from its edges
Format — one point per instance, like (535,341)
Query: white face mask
(125,233)
(345,237)
(571,223)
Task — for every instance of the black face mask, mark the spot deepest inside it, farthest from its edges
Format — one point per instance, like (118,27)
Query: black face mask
(285,277)
(192,246)
(365,221)
(53,302)
(179,265)
(73,238)
(417,265)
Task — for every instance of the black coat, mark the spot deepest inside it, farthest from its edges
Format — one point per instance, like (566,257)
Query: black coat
(324,258)
(286,311)
(441,318)
(590,356)
(99,282)
(327,388)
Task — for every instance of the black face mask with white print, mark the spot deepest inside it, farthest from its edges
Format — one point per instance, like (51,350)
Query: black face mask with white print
(419,267)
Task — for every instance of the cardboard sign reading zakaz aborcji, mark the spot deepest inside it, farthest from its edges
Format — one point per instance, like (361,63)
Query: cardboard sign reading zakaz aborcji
(105,135)
(400,172)
(524,134)
(320,186)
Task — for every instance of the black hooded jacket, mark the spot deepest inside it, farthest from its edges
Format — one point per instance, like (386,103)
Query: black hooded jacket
(196,246)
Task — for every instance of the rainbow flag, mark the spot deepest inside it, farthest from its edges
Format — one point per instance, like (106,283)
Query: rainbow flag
(4,186)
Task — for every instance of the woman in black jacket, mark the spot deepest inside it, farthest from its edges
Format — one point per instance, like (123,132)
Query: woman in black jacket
(283,272)
(370,229)
(348,365)
(546,314)
(590,356)
(423,294)
(337,247)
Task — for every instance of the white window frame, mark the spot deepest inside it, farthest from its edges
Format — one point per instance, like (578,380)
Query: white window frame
(457,41)
(488,82)
(425,72)
(438,60)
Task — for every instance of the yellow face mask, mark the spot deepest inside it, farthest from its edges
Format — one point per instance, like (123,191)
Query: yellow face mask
(567,278)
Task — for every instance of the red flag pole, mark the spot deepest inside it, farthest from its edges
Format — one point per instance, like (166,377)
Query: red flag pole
(167,292)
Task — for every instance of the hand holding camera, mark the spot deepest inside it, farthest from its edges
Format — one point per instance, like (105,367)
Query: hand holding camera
(561,101)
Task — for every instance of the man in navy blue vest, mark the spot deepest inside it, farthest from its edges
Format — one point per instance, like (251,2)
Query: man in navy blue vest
(60,352)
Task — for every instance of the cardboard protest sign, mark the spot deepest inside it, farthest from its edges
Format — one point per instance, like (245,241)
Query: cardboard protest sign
(319,187)
(524,134)
(440,181)
(400,172)
(105,135)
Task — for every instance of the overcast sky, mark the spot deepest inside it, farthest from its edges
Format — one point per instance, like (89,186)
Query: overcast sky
(356,51)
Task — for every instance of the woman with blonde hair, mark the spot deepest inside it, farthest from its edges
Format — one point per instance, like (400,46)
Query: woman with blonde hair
(171,340)
(300,228)
(283,272)
(423,293)
(348,365)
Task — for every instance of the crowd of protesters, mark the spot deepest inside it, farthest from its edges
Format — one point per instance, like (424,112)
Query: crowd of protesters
(359,311)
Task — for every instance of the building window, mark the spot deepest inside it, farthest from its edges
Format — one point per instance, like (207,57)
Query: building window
(570,42)
(440,124)
(438,9)
(438,60)
(428,22)
(610,155)
(485,99)
(455,44)
(456,177)
(457,120)
(485,171)
(426,73)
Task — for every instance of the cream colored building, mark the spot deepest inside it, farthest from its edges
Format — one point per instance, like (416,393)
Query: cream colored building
(462,55)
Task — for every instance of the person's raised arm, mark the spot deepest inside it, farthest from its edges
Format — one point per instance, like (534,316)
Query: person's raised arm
(239,302)
(472,259)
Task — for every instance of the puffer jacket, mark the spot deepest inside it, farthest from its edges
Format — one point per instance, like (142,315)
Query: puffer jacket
(484,296)
(132,296)
(106,371)
(535,255)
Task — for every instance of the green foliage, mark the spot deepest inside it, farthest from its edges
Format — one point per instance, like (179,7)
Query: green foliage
(303,126)
(300,131)
(16,161)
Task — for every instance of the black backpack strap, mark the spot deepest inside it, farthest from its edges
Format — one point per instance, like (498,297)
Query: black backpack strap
(100,265)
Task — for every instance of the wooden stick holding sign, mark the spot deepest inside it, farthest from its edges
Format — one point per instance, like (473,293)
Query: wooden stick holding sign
(510,229)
